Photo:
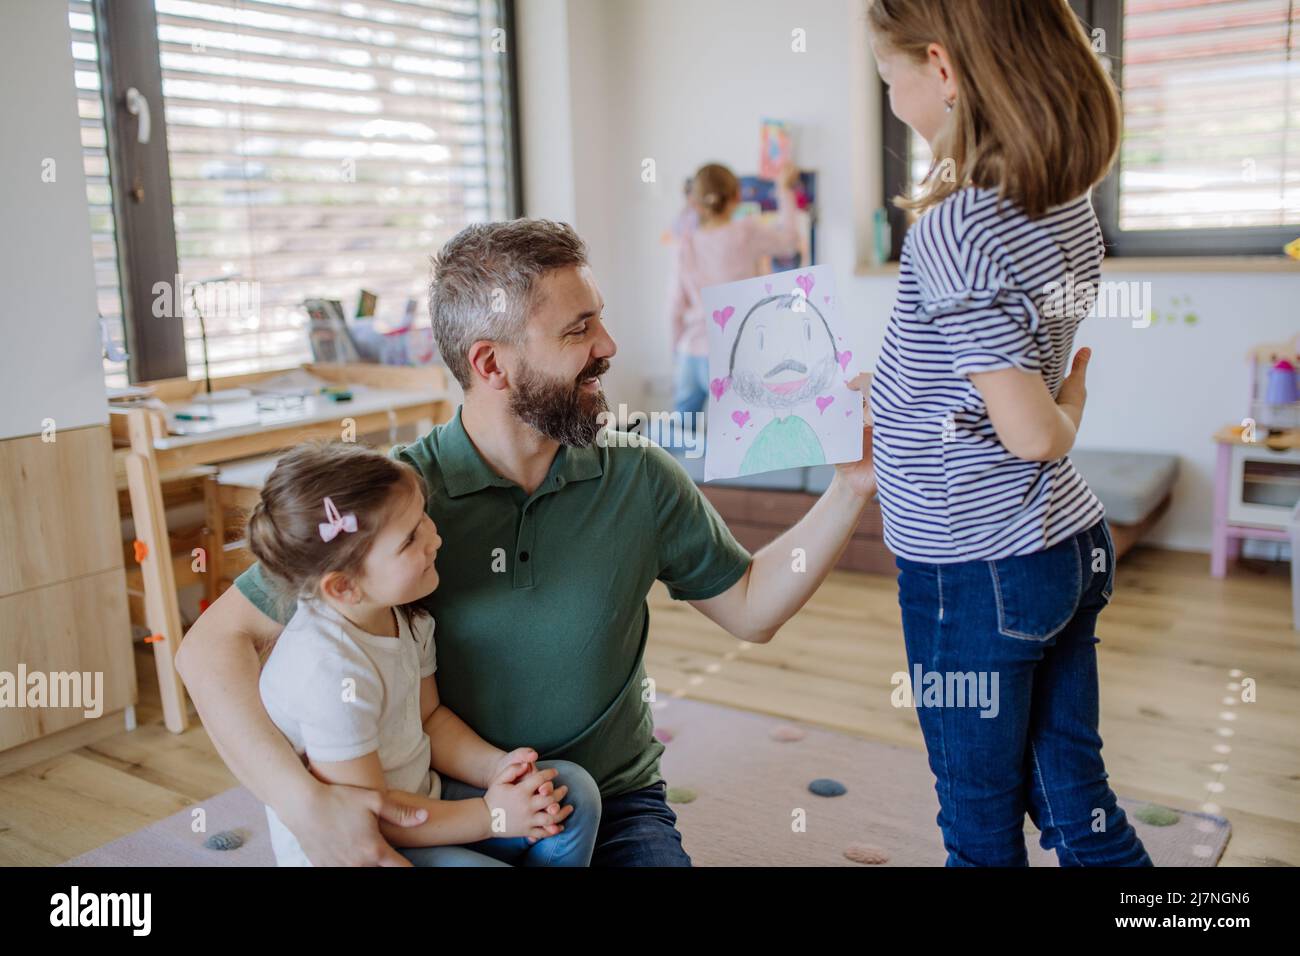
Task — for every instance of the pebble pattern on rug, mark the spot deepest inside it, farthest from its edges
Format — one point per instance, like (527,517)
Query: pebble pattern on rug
(225,840)
(787,734)
(864,853)
(1156,815)
(826,787)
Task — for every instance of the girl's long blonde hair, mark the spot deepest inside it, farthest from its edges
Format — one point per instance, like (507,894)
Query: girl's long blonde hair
(1037,117)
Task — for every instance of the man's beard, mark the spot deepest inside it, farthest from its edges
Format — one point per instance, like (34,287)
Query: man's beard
(559,410)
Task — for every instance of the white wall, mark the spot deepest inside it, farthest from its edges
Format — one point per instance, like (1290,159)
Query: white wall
(50,358)
(687,82)
(544,108)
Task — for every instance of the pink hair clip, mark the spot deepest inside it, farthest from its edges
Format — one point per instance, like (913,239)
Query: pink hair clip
(330,529)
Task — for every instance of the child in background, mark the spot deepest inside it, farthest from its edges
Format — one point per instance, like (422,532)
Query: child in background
(350,680)
(719,250)
(687,219)
(1004,556)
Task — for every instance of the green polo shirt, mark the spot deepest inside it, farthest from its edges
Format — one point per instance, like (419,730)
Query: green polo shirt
(541,610)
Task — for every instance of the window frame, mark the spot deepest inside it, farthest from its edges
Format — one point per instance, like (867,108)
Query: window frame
(127,37)
(1106,15)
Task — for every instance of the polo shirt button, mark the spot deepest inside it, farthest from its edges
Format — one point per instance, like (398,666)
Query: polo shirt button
(523,555)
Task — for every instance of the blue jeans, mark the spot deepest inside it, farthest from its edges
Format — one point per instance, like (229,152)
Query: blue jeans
(639,829)
(1026,627)
(691,383)
(572,846)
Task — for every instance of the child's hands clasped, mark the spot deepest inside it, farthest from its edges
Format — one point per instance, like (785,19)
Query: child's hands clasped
(523,755)
(529,801)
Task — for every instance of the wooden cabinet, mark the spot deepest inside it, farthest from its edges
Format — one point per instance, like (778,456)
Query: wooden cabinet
(75,627)
(63,602)
(60,516)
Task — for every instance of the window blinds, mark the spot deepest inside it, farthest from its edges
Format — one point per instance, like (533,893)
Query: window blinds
(321,147)
(1211,110)
(99,192)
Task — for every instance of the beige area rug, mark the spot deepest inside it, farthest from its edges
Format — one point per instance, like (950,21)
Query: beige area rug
(747,788)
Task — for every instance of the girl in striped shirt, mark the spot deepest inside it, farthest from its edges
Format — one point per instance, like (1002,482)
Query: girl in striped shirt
(1004,557)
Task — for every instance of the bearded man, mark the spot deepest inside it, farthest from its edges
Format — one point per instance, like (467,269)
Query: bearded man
(552,540)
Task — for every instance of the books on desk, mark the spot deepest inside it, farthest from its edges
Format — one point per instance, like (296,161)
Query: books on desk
(331,339)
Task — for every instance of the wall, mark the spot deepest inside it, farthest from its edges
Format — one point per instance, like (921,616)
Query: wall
(49,353)
(685,83)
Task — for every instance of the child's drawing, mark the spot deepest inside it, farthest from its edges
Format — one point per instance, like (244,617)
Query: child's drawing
(778,368)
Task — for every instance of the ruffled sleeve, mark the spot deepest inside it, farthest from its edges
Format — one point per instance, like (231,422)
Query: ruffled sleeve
(989,323)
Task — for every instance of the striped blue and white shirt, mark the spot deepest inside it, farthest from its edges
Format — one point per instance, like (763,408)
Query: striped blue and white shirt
(980,289)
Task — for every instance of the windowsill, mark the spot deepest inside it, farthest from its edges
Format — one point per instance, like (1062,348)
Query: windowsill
(1121,264)
(1200,264)
(870,269)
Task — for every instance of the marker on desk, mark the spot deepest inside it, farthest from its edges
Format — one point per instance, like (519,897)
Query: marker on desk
(193,417)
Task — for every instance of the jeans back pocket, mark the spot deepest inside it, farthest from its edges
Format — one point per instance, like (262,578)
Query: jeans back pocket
(1037,594)
(1109,587)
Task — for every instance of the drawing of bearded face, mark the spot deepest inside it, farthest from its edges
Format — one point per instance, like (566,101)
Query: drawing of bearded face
(784,354)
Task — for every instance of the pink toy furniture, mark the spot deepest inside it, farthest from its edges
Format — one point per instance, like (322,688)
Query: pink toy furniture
(1257,477)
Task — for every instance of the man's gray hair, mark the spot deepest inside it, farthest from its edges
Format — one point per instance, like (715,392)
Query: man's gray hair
(483,283)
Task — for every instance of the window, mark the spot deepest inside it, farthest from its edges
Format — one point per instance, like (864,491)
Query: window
(99,189)
(1210,159)
(313,149)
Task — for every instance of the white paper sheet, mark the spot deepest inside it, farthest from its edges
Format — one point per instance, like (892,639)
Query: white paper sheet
(778,367)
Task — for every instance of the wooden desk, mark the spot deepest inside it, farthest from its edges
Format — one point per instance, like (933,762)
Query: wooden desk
(385,398)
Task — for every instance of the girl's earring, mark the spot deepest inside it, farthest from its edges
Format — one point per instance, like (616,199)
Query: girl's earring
(948,104)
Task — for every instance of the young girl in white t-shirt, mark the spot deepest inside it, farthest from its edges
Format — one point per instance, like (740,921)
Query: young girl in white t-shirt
(350,681)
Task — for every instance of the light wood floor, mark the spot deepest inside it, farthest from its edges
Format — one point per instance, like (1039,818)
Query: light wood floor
(1169,644)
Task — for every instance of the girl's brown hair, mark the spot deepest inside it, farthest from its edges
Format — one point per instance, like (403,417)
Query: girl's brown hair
(714,188)
(1036,117)
(284,527)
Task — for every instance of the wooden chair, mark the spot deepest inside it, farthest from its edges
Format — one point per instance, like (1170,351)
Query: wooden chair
(229,496)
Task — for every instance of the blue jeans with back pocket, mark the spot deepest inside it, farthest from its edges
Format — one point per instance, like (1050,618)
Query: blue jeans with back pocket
(1008,703)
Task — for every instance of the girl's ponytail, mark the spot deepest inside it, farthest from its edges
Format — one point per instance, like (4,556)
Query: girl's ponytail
(284,528)
(714,188)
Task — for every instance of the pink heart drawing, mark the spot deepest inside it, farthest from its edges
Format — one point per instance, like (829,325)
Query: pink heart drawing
(767,287)
(826,299)
(844,358)
(740,418)
(848,411)
(805,282)
(824,402)
(721,315)
(718,386)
